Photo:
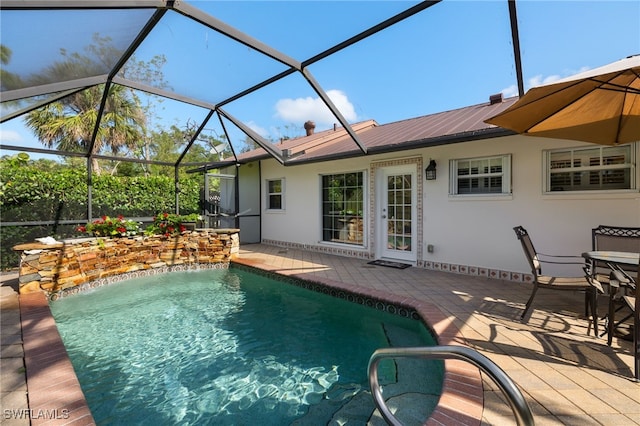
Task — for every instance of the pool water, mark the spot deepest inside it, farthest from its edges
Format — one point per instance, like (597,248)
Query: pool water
(232,347)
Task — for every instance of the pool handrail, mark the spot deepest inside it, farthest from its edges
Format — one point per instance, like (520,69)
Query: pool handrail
(515,398)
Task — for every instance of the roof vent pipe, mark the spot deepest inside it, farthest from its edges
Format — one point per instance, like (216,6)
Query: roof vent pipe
(495,99)
(309,126)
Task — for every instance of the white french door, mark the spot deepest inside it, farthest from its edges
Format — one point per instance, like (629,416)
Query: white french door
(396,213)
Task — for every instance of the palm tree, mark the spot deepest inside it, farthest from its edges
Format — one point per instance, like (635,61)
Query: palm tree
(8,80)
(68,124)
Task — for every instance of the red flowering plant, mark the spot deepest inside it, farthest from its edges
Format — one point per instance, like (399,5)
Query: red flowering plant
(169,224)
(111,227)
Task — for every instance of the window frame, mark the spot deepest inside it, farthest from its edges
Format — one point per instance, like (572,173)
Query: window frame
(361,216)
(505,174)
(590,171)
(269,194)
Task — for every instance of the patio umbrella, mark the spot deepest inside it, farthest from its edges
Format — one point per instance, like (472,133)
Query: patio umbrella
(601,106)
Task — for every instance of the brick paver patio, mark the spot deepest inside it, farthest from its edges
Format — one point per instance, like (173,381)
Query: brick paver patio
(567,376)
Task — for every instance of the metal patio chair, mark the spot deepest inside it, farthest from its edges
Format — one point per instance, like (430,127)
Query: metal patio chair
(632,304)
(613,238)
(622,290)
(584,283)
(619,281)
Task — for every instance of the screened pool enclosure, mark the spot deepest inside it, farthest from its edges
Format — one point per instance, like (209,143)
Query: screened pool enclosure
(166,88)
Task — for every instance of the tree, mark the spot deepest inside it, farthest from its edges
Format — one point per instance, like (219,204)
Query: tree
(206,146)
(168,145)
(150,73)
(248,144)
(8,80)
(68,124)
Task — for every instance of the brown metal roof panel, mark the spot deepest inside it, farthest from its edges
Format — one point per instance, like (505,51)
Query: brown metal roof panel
(463,120)
(386,137)
(311,142)
(430,128)
(329,137)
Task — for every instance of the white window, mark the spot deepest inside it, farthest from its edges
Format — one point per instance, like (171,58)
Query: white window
(275,194)
(479,176)
(598,168)
(343,208)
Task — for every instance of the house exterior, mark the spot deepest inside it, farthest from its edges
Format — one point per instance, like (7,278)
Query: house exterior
(329,196)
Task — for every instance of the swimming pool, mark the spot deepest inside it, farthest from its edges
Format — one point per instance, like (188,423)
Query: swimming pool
(234,347)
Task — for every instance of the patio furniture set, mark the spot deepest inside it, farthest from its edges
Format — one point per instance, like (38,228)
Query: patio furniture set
(612,268)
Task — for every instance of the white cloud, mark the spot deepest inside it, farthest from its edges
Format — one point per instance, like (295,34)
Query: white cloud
(510,91)
(10,136)
(258,129)
(299,110)
(539,80)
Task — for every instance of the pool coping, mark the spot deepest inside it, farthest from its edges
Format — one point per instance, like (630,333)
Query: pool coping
(53,390)
(55,395)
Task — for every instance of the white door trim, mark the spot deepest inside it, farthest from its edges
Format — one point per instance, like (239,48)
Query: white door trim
(390,222)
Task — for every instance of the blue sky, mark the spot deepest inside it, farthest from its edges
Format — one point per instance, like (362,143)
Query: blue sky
(451,55)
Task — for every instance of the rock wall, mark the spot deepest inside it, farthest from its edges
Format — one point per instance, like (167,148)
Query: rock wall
(70,263)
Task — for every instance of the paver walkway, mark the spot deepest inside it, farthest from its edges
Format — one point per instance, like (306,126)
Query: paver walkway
(567,376)
(12,372)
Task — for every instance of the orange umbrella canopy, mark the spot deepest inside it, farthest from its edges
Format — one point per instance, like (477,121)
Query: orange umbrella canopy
(600,106)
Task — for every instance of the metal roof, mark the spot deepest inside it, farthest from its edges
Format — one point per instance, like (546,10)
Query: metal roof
(447,127)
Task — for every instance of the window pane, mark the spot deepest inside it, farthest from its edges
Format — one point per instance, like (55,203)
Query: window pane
(275,201)
(406,196)
(481,176)
(590,169)
(274,194)
(496,165)
(342,213)
(275,186)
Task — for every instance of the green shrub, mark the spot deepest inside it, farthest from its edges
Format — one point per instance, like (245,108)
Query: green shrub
(32,191)
(169,224)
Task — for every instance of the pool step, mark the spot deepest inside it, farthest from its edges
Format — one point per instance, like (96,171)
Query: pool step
(416,392)
(413,375)
(409,408)
(410,386)
(342,404)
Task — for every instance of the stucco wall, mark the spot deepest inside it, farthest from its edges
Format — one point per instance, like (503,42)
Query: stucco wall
(472,231)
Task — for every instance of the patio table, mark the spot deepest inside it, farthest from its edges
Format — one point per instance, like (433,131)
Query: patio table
(616,260)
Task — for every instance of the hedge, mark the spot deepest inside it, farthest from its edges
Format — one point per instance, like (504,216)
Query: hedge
(29,193)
